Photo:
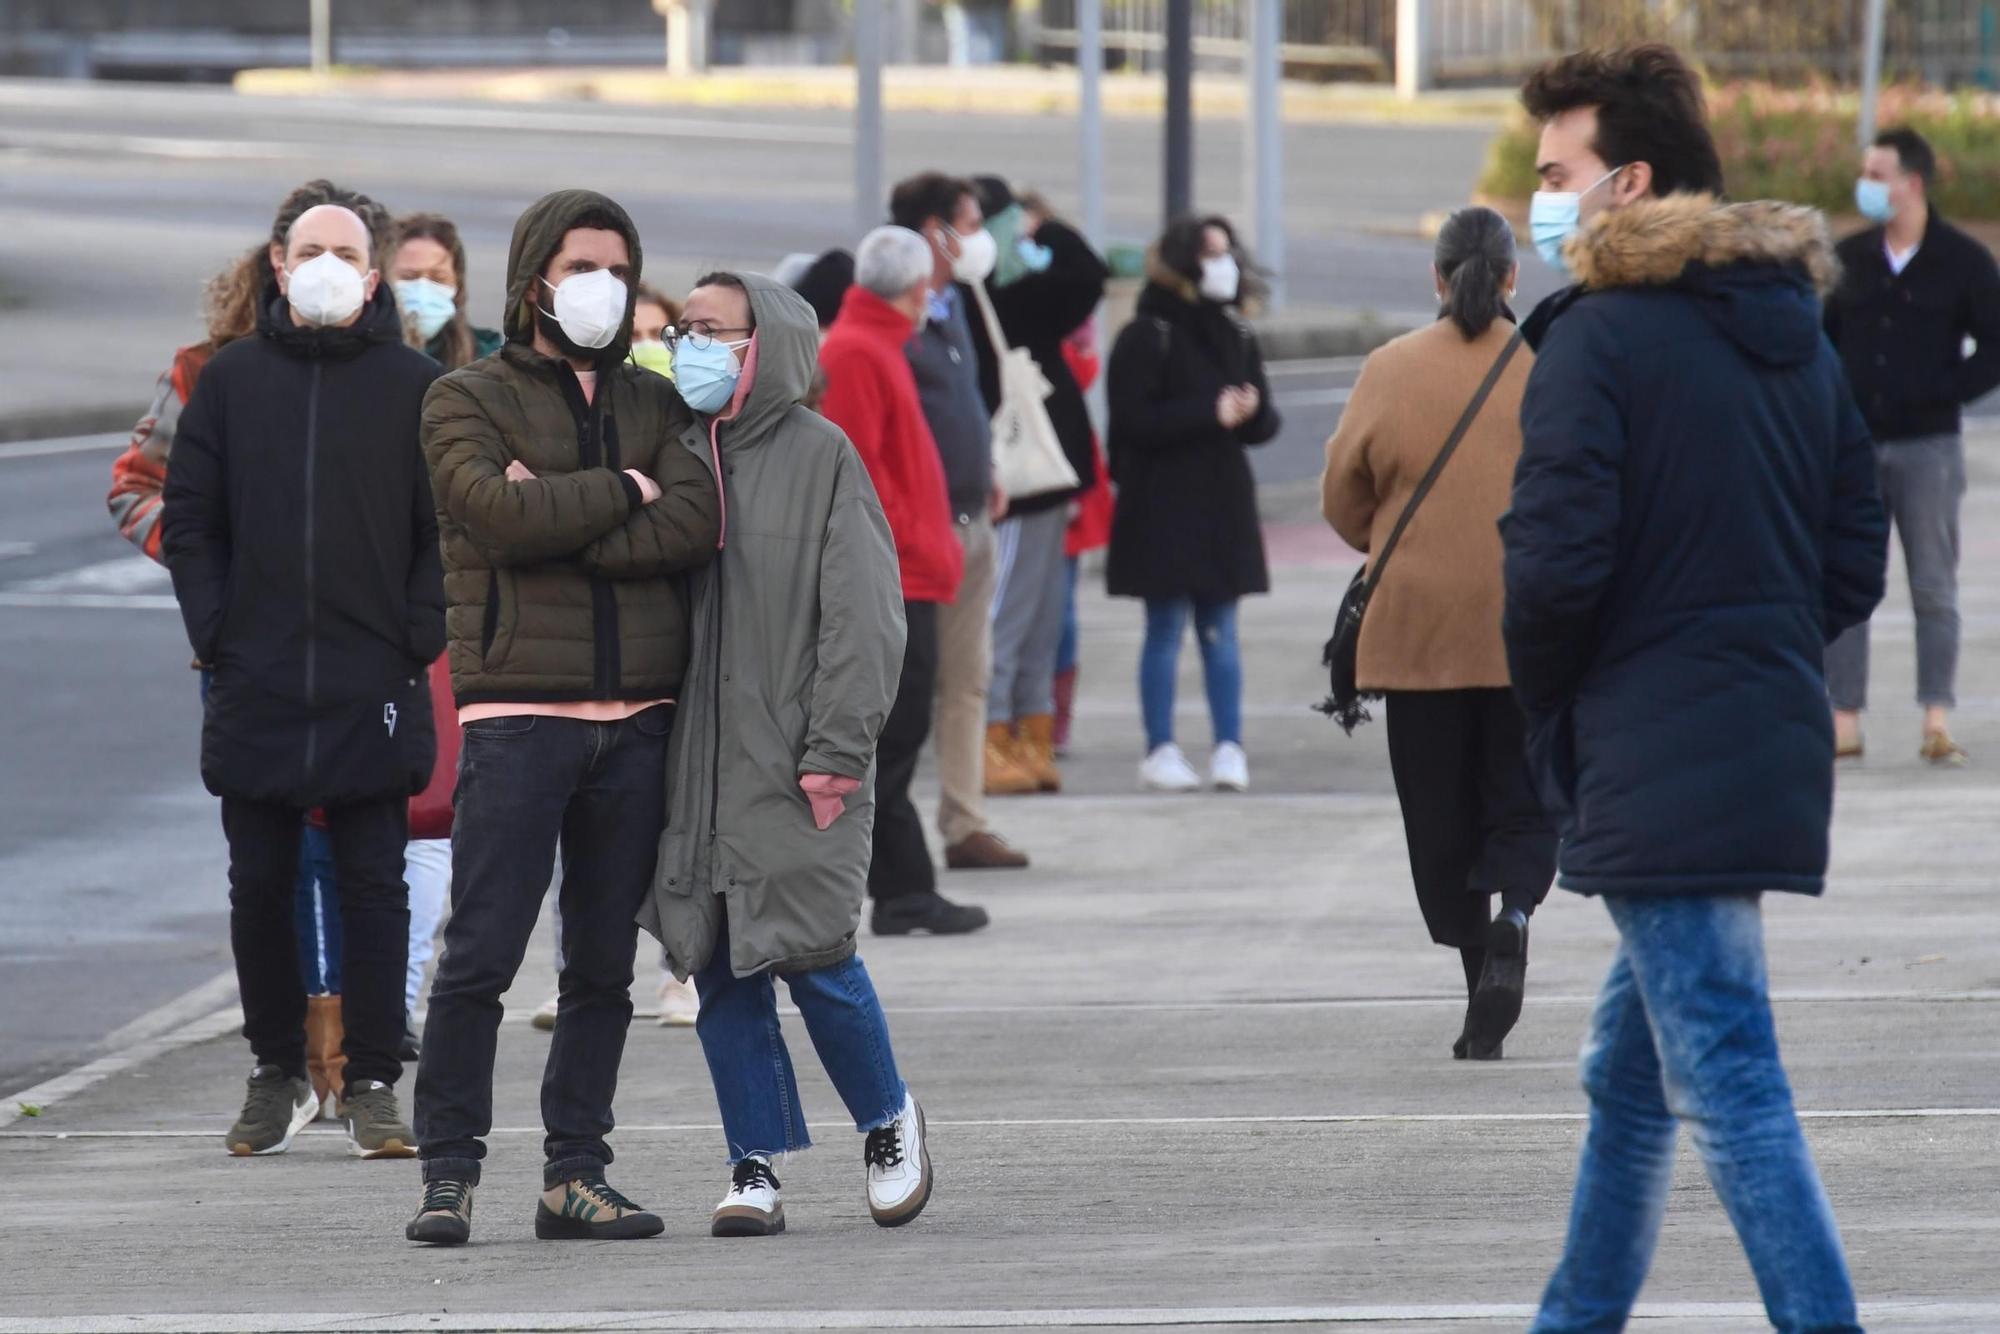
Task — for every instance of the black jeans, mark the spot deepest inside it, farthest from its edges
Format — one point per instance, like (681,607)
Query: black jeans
(1474,824)
(368,841)
(901,865)
(527,784)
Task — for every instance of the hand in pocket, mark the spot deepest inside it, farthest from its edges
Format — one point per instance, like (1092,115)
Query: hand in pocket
(827,794)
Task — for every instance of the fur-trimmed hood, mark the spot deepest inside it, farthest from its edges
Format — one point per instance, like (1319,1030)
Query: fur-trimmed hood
(1756,270)
(1654,241)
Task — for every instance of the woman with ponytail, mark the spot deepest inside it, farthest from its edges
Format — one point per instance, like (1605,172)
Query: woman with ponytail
(1431,639)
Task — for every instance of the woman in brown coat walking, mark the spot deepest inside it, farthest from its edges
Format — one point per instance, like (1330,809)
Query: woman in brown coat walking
(1431,640)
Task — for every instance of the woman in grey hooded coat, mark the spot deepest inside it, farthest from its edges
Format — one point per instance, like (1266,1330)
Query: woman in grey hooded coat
(797,630)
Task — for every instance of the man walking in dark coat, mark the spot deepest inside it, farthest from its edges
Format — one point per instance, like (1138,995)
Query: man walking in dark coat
(298,525)
(1912,289)
(1694,517)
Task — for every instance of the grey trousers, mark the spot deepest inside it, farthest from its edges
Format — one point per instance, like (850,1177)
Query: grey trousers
(1028,602)
(1922,481)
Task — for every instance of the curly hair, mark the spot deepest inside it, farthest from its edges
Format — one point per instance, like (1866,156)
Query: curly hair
(231,297)
(1649,109)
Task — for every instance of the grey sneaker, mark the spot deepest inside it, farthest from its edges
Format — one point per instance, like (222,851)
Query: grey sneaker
(445,1216)
(275,1108)
(375,1126)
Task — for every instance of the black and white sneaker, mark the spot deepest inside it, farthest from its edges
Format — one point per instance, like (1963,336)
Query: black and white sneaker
(752,1208)
(899,1167)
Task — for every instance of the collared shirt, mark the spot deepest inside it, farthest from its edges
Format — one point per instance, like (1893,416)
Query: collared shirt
(943,304)
(1899,260)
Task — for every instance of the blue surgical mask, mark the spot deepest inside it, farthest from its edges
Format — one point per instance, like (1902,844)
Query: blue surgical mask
(1871,198)
(707,376)
(427,305)
(1554,216)
(1034,258)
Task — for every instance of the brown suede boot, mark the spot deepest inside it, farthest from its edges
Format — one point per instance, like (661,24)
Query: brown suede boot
(1037,751)
(1006,776)
(326,1059)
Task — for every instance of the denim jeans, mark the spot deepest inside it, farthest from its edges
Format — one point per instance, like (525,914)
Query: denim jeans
(1221,666)
(427,871)
(1069,649)
(526,784)
(1683,1032)
(752,1068)
(316,914)
(1923,483)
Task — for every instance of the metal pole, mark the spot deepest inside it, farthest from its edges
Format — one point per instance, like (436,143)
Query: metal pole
(322,36)
(1265,162)
(868,196)
(1180,108)
(1413,48)
(1090,117)
(1871,75)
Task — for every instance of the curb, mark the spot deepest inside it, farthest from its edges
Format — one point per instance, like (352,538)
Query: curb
(58,423)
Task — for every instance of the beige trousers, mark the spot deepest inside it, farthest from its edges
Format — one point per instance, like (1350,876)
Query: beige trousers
(965,666)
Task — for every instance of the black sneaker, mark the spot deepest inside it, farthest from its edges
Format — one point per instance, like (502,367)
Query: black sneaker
(926,912)
(587,1209)
(1496,1003)
(445,1216)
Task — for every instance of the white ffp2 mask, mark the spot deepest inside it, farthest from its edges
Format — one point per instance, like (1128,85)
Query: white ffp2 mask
(325,290)
(590,307)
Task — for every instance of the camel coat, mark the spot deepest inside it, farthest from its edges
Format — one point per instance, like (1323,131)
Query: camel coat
(1434,622)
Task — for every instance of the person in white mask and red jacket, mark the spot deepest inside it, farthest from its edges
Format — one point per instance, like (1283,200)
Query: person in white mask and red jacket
(298,526)
(570,509)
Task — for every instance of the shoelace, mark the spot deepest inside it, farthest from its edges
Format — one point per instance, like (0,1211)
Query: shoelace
(885,1146)
(752,1173)
(446,1197)
(600,1193)
(268,1097)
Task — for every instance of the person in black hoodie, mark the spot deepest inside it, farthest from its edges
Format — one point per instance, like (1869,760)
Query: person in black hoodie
(1694,516)
(1046,282)
(1187,395)
(298,526)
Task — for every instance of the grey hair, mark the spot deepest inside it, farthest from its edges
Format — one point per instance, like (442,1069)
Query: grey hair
(891,260)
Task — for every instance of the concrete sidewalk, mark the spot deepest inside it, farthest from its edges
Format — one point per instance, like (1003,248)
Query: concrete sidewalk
(1196,1075)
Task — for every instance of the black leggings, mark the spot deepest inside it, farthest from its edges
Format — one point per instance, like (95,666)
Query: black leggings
(1474,824)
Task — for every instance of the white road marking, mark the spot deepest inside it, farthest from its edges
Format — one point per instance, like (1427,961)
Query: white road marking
(68,444)
(1313,398)
(15,550)
(1902,1312)
(119,575)
(92,601)
(140,145)
(1314,366)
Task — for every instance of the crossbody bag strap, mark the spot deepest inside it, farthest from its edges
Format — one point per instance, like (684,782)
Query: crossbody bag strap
(1465,421)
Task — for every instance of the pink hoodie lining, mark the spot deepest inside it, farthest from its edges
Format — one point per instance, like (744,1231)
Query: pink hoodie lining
(736,402)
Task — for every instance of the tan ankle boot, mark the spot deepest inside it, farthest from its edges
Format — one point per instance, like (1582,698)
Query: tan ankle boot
(1037,751)
(1006,776)
(326,1057)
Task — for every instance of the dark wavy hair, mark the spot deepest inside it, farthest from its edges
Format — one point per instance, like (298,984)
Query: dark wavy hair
(1649,109)
(1180,247)
(459,344)
(1474,256)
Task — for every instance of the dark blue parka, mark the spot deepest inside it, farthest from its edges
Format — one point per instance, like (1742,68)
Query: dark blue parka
(1694,518)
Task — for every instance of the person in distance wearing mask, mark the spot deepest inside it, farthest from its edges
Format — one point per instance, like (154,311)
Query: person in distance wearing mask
(652,315)
(569,506)
(428,275)
(298,527)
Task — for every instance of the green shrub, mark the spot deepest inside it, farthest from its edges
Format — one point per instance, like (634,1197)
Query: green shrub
(1798,144)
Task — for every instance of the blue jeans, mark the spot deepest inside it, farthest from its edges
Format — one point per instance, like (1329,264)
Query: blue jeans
(1068,648)
(752,1069)
(316,914)
(1221,667)
(1683,1031)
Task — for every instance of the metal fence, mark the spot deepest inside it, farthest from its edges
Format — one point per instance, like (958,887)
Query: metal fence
(1945,42)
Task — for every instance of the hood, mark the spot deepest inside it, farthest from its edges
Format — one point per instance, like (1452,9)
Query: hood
(538,235)
(787,354)
(1759,268)
(380,322)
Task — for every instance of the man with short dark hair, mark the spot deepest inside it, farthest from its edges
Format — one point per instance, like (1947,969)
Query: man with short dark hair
(1694,517)
(573,490)
(1913,288)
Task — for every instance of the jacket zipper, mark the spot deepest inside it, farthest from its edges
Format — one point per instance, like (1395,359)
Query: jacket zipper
(312,577)
(715,683)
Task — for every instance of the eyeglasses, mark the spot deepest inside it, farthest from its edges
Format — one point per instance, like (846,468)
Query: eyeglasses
(700,334)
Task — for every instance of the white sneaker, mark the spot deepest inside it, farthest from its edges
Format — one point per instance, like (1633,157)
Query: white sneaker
(899,1167)
(1167,770)
(544,1018)
(752,1207)
(1229,768)
(329,1108)
(680,1006)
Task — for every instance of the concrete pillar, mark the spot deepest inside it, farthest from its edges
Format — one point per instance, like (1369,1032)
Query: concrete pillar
(1413,47)
(1264,163)
(687,34)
